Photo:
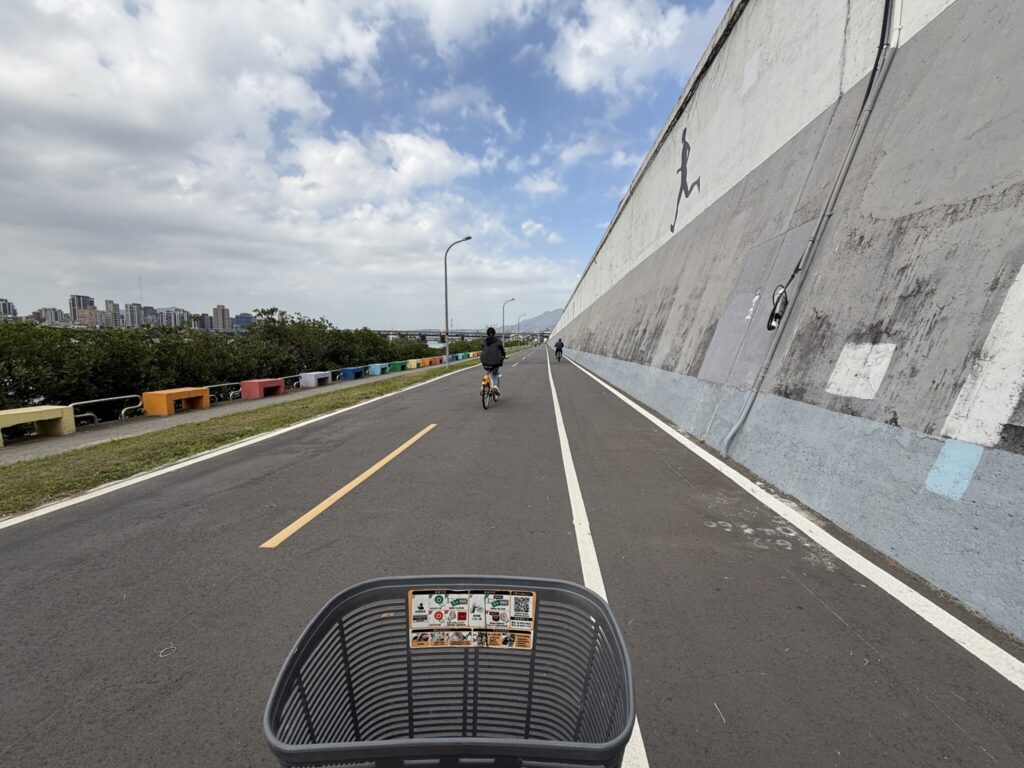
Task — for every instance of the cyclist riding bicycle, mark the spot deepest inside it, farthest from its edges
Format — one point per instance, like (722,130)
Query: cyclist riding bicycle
(558,349)
(491,358)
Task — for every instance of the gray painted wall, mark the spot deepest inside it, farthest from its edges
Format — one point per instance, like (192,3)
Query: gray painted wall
(899,335)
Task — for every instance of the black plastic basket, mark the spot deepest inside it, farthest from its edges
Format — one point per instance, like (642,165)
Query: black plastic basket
(353,692)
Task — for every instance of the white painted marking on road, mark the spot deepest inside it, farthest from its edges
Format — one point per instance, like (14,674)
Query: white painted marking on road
(103,490)
(989,396)
(635,755)
(514,364)
(971,641)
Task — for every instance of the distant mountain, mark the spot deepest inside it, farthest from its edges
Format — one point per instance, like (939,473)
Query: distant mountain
(542,322)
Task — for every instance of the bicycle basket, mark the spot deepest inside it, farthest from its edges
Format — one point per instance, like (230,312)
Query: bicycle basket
(364,687)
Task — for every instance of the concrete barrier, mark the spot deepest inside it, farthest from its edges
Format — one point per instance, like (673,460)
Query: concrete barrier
(353,372)
(890,399)
(47,419)
(161,402)
(425,361)
(410,364)
(376,369)
(314,379)
(396,366)
(256,389)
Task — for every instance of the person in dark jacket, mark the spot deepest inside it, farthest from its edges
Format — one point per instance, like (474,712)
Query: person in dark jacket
(491,358)
(558,349)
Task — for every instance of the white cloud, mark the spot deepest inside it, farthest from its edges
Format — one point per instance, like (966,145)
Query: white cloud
(188,141)
(531,227)
(555,239)
(591,145)
(347,170)
(467,101)
(540,184)
(529,51)
(514,165)
(621,159)
(580,150)
(454,25)
(492,156)
(615,46)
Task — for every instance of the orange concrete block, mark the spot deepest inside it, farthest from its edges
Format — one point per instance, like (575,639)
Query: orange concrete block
(161,402)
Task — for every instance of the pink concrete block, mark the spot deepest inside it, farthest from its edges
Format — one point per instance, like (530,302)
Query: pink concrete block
(254,389)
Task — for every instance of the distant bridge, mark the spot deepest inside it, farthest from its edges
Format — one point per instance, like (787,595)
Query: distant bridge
(427,335)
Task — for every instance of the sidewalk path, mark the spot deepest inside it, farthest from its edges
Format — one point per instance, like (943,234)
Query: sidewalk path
(34,447)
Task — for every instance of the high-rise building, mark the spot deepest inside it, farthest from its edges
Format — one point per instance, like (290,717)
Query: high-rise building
(133,315)
(205,322)
(7,309)
(243,320)
(88,316)
(113,310)
(221,318)
(77,303)
(150,316)
(174,317)
(50,316)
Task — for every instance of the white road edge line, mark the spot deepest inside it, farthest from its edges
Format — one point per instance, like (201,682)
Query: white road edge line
(103,490)
(635,755)
(971,641)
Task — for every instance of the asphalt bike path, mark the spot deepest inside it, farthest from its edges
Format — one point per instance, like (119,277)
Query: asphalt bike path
(751,645)
(147,626)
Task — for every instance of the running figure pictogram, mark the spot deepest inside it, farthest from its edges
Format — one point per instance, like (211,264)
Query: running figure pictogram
(684,188)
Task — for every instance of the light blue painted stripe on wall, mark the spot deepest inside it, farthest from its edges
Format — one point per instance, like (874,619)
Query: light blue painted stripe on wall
(953,469)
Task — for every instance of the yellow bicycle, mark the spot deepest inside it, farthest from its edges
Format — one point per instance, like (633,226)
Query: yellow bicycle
(487,393)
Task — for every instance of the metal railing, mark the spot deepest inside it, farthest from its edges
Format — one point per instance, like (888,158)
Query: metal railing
(134,402)
(231,394)
(137,406)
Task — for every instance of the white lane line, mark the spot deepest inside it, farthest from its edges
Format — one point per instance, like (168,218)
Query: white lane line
(974,643)
(103,490)
(635,755)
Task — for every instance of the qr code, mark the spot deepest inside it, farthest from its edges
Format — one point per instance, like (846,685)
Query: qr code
(521,606)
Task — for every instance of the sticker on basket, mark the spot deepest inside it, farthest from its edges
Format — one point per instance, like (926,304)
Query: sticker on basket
(471,619)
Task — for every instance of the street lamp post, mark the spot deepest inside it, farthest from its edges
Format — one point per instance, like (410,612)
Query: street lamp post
(503,320)
(446,329)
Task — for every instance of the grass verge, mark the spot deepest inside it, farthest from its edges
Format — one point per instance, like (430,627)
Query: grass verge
(31,483)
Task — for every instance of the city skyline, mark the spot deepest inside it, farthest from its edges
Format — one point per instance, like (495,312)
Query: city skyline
(83,312)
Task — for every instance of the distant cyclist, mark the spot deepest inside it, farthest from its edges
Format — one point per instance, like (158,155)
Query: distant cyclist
(558,349)
(491,358)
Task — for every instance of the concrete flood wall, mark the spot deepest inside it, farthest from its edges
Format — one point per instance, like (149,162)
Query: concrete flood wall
(892,404)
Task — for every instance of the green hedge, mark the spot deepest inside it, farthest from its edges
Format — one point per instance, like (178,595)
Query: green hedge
(64,365)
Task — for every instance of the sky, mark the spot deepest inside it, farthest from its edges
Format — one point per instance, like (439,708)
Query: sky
(320,156)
